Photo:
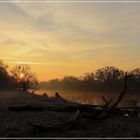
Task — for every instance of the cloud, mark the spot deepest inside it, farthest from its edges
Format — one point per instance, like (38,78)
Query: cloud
(10,12)
(11,42)
(74,34)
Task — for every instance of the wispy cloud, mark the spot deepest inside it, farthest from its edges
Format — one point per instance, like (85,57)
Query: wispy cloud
(73,36)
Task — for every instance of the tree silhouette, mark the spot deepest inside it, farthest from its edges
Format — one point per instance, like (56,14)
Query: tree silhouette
(109,73)
(25,79)
(106,78)
(89,76)
(4,77)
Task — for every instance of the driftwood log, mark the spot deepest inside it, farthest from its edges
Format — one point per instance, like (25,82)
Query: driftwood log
(64,108)
(84,109)
(25,108)
(68,125)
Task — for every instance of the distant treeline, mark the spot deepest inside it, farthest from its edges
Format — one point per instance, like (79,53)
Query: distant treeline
(108,78)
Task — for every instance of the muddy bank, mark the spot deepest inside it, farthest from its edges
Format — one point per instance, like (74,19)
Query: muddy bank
(16,124)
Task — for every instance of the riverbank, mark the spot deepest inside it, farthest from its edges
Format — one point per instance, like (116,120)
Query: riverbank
(16,124)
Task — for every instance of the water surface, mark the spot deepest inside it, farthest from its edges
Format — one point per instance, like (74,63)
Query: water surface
(92,97)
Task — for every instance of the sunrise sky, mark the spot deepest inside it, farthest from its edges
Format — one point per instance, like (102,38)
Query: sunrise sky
(59,39)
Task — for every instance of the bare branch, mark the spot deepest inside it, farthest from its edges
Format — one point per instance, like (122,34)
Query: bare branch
(106,102)
(123,93)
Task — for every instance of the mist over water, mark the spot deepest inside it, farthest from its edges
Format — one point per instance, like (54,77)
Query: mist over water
(93,98)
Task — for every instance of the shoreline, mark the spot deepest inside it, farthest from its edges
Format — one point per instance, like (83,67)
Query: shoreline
(16,124)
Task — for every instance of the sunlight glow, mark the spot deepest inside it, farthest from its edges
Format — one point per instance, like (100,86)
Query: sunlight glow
(86,38)
(21,76)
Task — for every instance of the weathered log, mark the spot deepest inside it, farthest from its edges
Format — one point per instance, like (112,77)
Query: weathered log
(64,108)
(25,108)
(47,108)
(84,109)
(70,124)
(52,108)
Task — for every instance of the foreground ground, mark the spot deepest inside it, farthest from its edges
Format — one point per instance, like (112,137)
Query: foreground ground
(15,124)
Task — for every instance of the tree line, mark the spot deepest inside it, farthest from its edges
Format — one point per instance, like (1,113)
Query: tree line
(108,78)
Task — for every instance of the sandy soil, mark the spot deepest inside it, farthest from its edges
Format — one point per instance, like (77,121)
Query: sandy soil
(15,124)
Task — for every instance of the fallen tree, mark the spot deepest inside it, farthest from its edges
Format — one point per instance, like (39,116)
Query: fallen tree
(68,125)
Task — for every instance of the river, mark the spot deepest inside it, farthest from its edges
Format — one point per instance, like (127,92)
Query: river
(91,97)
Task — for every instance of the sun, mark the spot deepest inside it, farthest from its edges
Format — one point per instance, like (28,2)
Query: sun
(21,75)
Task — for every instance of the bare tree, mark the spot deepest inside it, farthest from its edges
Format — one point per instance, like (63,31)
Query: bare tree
(25,78)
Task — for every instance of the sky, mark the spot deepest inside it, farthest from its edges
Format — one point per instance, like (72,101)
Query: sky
(70,38)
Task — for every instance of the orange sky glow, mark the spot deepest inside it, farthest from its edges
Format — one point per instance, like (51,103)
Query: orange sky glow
(58,39)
